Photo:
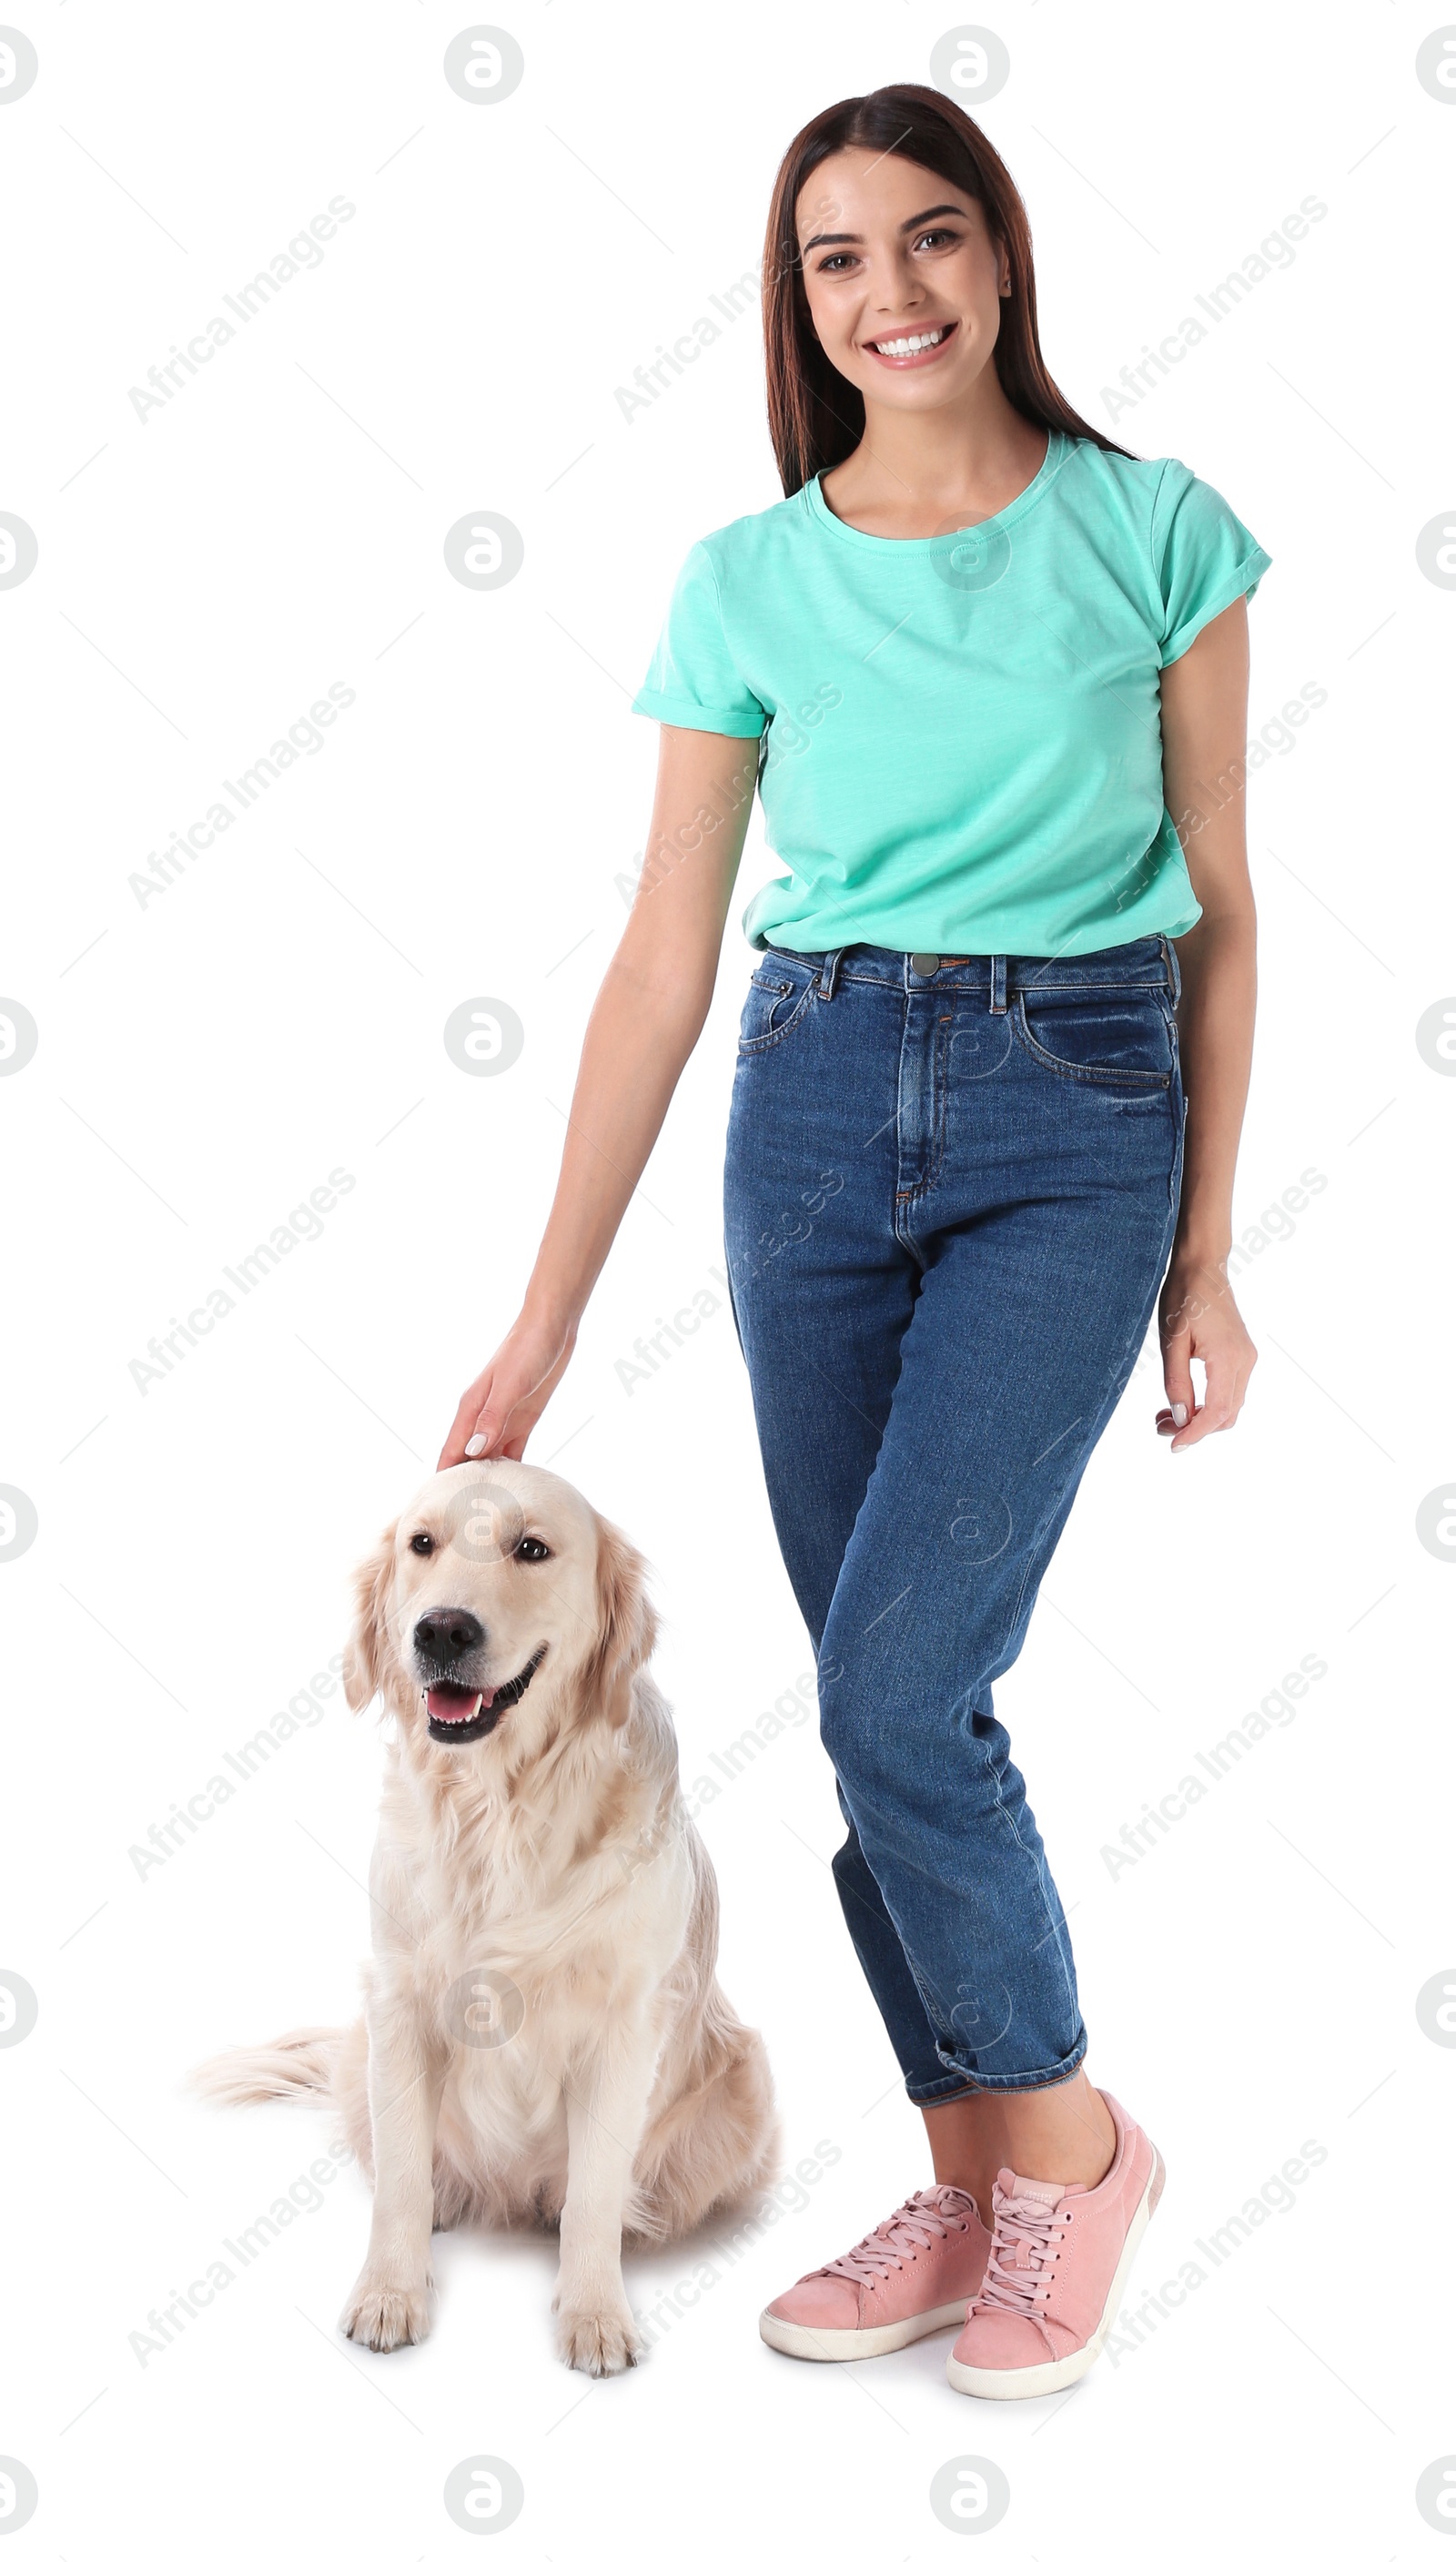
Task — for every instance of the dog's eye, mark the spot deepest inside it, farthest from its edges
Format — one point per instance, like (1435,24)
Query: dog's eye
(422,1543)
(532,1552)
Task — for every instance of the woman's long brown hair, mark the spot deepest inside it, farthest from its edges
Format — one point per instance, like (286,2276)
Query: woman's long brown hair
(816,417)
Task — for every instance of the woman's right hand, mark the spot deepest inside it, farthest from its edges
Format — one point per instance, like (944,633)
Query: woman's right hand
(501,1407)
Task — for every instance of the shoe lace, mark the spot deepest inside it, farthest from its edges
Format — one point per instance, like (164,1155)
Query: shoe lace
(922,2220)
(1023,2253)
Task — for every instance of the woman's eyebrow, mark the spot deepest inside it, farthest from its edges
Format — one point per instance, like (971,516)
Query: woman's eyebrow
(839,240)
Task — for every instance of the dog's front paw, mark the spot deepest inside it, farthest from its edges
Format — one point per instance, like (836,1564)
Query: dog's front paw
(601,2339)
(382,2315)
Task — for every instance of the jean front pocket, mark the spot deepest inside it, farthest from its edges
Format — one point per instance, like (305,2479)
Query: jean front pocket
(774,1005)
(1123,1039)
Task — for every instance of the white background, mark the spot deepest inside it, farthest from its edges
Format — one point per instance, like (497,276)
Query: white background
(206,1059)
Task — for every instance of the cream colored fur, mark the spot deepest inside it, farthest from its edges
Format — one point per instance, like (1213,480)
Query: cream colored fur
(623,2094)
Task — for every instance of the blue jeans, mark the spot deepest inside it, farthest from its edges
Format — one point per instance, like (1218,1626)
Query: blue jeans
(950,1202)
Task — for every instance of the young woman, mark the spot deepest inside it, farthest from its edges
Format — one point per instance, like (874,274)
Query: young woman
(974,660)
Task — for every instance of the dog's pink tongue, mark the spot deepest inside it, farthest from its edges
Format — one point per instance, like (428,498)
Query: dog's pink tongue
(456,1707)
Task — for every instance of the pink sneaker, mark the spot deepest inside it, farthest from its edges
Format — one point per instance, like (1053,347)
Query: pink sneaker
(1060,2259)
(916,2273)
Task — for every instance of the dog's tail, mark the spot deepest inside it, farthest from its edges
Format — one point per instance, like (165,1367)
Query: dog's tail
(298,2066)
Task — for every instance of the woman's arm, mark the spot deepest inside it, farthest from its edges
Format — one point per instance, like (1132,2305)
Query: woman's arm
(1205,732)
(652,1004)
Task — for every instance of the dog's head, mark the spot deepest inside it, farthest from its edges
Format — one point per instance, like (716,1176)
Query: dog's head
(498,1604)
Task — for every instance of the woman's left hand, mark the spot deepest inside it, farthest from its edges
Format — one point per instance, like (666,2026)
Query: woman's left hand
(1198,1321)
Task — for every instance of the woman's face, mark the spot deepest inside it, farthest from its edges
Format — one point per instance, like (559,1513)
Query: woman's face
(903,279)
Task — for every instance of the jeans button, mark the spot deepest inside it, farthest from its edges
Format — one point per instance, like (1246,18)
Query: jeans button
(925,964)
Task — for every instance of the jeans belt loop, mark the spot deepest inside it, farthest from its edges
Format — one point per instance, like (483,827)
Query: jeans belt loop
(829,974)
(998,982)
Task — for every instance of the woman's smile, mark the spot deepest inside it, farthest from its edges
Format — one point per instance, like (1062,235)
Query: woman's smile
(921,344)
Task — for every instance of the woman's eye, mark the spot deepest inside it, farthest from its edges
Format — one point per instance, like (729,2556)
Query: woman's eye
(532,1552)
(422,1543)
(931,239)
(833,264)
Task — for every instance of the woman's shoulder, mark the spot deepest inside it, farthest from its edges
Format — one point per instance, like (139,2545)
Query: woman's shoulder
(1138,474)
(748,542)
(1149,485)
(1197,552)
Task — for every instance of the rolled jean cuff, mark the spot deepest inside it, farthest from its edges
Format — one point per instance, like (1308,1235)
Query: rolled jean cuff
(932,2091)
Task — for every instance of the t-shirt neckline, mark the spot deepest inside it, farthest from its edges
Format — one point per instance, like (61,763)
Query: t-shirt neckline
(1058,447)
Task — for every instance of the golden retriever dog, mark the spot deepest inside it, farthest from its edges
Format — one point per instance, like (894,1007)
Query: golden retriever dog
(543,2034)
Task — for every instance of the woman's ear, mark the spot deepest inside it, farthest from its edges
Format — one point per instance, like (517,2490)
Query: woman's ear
(365,1655)
(626,1626)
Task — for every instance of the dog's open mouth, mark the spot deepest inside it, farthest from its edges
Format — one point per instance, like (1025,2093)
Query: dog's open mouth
(459,1713)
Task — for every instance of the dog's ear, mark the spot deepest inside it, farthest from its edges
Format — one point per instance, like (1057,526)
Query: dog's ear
(626,1627)
(365,1657)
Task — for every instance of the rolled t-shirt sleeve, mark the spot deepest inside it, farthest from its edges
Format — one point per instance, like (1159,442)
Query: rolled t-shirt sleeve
(1203,559)
(692,683)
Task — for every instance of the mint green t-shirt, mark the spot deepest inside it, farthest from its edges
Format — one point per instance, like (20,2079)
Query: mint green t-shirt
(961,744)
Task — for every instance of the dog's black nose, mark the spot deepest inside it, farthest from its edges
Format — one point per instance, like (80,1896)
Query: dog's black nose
(443,1636)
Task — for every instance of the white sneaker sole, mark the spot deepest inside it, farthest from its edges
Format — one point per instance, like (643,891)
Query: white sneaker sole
(837,2347)
(1025,2383)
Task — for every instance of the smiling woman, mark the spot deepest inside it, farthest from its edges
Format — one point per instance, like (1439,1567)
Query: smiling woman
(820,336)
(963,1171)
